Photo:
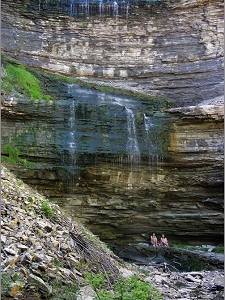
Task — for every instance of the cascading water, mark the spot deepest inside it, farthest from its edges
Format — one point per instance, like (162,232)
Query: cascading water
(76,8)
(72,146)
(72,140)
(153,150)
(132,147)
(118,124)
(115,8)
(100,7)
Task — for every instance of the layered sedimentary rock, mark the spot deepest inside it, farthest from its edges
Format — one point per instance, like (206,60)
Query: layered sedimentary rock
(182,195)
(173,50)
(177,188)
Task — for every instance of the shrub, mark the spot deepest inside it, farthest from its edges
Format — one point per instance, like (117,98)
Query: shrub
(6,281)
(123,289)
(47,97)
(46,208)
(61,291)
(219,249)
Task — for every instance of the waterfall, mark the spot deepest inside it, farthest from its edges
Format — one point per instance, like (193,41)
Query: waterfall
(127,11)
(151,141)
(77,8)
(89,7)
(71,139)
(100,8)
(132,142)
(115,8)
(72,147)
(148,123)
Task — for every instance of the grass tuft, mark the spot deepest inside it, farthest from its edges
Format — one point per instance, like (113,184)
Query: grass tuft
(19,77)
(12,157)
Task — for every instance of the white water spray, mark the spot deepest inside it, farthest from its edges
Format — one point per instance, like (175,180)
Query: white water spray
(132,142)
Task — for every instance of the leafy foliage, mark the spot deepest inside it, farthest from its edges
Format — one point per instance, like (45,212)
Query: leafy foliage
(123,289)
(61,291)
(46,208)
(13,156)
(6,281)
(219,249)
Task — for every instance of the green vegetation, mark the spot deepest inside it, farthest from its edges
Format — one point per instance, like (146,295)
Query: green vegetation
(8,280)
(46,208)
(154,102)
(17,78)
(190,247)
(61,291)
(12,156)
(180,246)
(123,289)
(219,249)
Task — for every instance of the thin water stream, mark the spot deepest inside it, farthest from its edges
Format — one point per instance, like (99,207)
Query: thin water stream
(100,8)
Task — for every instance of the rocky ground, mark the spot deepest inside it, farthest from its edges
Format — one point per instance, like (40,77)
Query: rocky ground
(42,246)
(188,285)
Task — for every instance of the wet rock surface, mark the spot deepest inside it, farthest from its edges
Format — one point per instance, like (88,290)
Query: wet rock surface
(37,250)
(172,258)
(115,198)
(190,285)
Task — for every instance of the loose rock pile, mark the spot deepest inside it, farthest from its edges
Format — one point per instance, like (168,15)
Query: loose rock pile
(188,285)
(41,246)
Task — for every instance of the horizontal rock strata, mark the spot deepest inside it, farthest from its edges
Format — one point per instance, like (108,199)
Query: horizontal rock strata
(181,196)
(174,51)
(37,251)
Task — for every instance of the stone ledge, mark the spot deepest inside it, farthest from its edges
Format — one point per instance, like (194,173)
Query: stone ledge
(204,111)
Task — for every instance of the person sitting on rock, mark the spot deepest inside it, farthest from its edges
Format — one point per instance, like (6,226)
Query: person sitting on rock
(163,241)
(154,240)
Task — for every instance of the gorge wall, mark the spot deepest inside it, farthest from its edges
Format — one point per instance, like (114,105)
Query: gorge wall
(81,149)
(174,50)
(121,169)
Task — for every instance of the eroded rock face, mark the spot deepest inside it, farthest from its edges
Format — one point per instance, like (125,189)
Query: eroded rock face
(197,134)
(119,199)
(37,251)
(174,50)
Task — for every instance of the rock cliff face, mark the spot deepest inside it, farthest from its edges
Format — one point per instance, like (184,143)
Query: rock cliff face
(173,50)
(178,190)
